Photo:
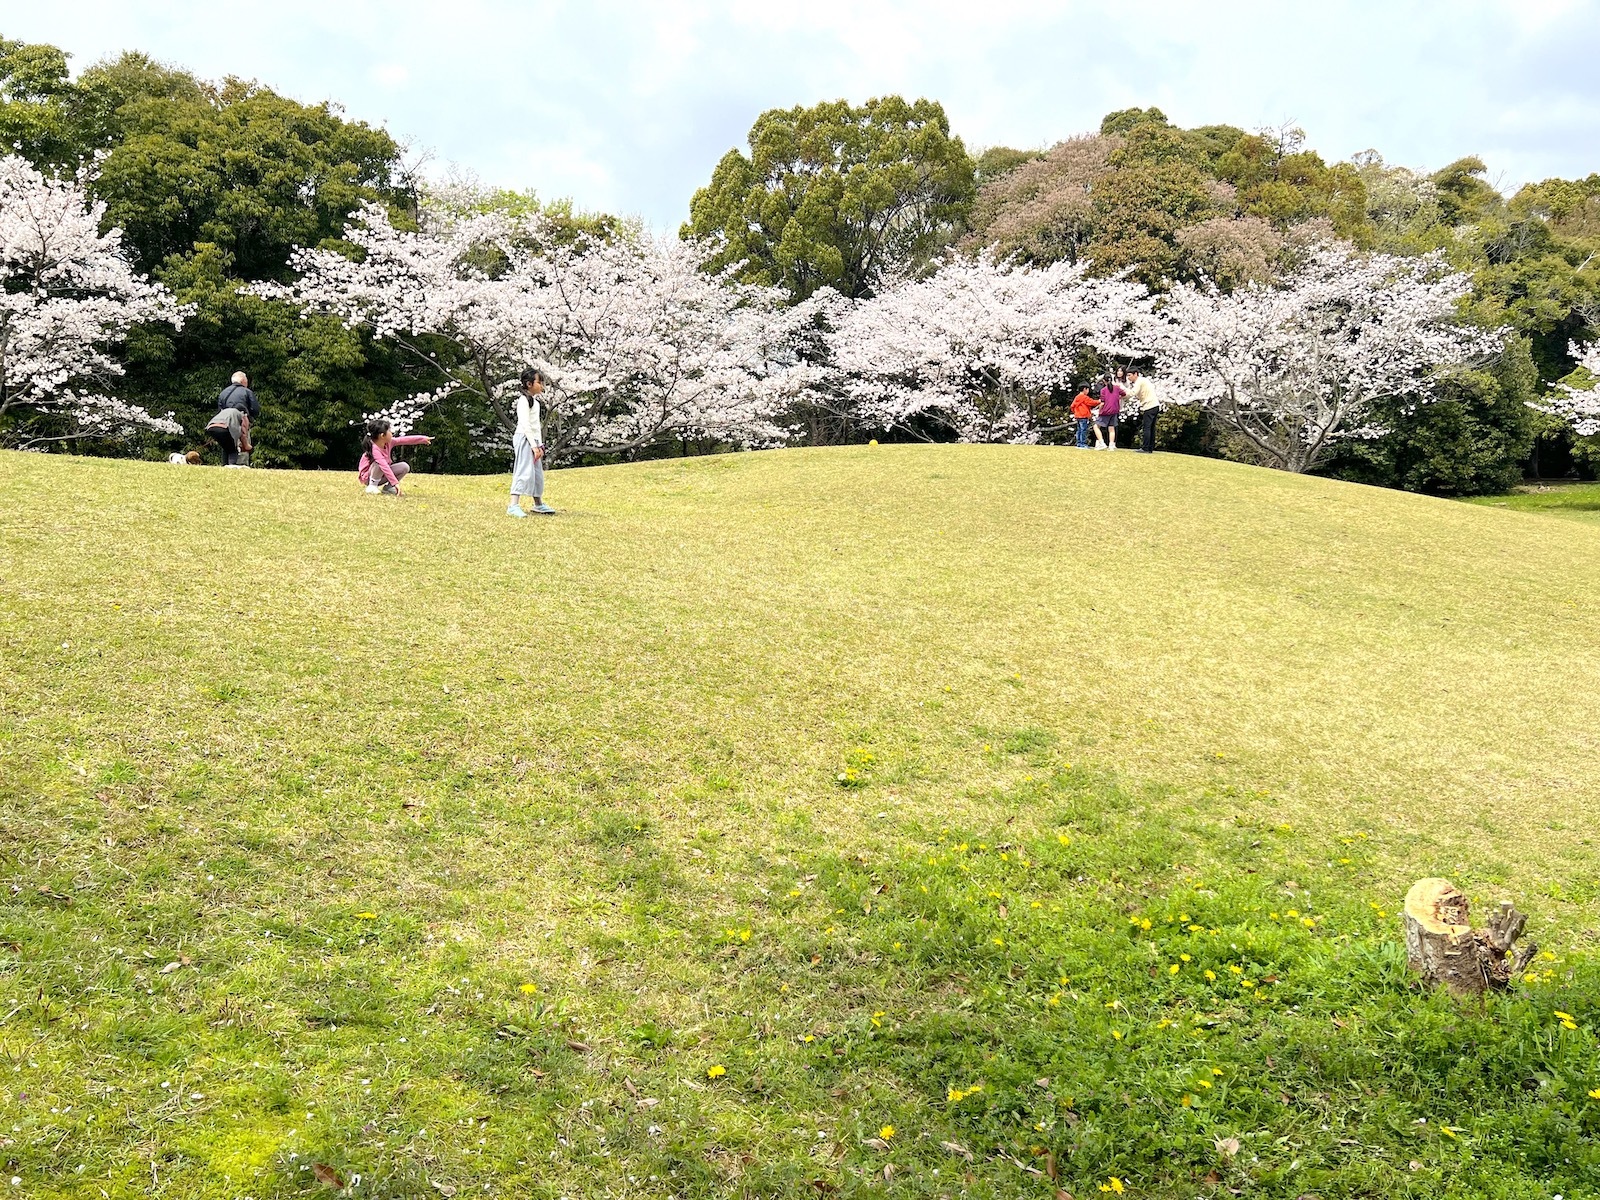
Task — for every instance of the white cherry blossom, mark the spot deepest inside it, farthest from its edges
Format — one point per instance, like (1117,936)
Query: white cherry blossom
(68,294)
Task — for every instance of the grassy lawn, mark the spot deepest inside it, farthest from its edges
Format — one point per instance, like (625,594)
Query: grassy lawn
(895,821)
(1579,500)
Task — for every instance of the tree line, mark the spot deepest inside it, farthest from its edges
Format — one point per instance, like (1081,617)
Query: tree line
(215,184)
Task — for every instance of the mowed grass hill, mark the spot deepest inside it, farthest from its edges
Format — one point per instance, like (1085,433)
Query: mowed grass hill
(922,821)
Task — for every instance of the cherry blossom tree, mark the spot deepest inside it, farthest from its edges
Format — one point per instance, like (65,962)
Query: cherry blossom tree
(977,348)
(640,342)
(67,295)
(1579,407)
(1293,366)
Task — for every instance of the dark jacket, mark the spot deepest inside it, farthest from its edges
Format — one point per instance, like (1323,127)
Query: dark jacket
(242,398)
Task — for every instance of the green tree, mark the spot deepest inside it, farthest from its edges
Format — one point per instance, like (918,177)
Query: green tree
(838,195)
(1472,440)
(1154,186)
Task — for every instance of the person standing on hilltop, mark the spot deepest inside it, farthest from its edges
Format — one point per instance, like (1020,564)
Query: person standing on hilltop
(1142,400)
(527,448)
(1083,406)
(1105,420)
(238,397)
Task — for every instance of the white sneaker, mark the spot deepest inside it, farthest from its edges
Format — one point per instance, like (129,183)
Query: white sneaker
(1100,446)
(1110,447)
(373,489)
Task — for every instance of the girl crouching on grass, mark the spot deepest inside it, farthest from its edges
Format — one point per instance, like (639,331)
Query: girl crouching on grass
(377,470)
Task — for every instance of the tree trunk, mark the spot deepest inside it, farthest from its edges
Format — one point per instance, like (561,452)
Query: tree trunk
(1442,946)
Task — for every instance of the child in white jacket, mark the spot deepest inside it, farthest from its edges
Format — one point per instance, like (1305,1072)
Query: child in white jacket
(527,448)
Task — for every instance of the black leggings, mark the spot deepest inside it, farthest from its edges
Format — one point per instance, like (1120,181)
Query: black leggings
(223,436)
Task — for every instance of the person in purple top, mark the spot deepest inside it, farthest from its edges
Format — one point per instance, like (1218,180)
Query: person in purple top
(1105,421)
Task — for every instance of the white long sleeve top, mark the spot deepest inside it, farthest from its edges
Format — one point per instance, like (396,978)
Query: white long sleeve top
(528,425)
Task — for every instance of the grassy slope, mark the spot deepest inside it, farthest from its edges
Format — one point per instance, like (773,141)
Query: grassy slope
(1577,500)
(590,754)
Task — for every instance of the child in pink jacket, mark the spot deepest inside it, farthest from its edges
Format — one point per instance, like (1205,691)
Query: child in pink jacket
(377,470)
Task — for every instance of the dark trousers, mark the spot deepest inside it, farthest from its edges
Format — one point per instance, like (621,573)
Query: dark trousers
(1147,430)
(224,440)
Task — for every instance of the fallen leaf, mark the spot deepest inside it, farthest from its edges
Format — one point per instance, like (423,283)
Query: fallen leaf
(170,968)
(823,1186)
(444,1189)
(888,1172)
(645,1102)
(1004,913)
(628,1086)
(326,1174)
(957,1148)
(1211,1177)
(1415,1165)
(1050,1171)
(876,1144)
(1043,1081)
(1227,1147)
(1063,1194)
(579,1047)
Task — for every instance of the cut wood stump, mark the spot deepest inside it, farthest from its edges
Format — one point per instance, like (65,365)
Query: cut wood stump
(1442,946)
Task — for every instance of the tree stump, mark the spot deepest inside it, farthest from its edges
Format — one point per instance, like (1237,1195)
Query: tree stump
(1442,946)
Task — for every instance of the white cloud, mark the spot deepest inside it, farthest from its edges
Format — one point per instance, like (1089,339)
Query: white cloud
(629,105)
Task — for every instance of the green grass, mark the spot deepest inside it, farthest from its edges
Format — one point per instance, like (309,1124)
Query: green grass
(1578,500)
(891,781)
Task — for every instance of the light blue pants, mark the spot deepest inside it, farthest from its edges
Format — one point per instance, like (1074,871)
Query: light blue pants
(527,476)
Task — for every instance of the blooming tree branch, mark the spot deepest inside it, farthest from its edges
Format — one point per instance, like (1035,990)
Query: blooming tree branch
(975,348)
(639,341)
(1579,407)
(1294,366)
(67,294)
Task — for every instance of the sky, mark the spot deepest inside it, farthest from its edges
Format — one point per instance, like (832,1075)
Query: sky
(626,107)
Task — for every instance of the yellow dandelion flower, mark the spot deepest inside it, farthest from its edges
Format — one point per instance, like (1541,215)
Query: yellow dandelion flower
(1174,969)
(1063,839)
(528,989)
(1145,924)
(1561,1016)
(1211,976)
(1247,983)
(1205,1083)
(1594,1093)
(1187,1100)
(1568,1025)
(1216,1070)
(1184,958)
(367,916)
(1117,1033)
(716,1072)
(1237,970)
(886,1133)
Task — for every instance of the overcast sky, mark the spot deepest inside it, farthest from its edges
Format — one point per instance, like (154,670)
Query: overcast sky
(627,106)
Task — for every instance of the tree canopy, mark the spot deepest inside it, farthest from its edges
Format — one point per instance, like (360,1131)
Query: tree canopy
(838,195)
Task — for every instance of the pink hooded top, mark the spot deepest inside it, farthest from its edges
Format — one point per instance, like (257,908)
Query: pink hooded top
(378,459)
